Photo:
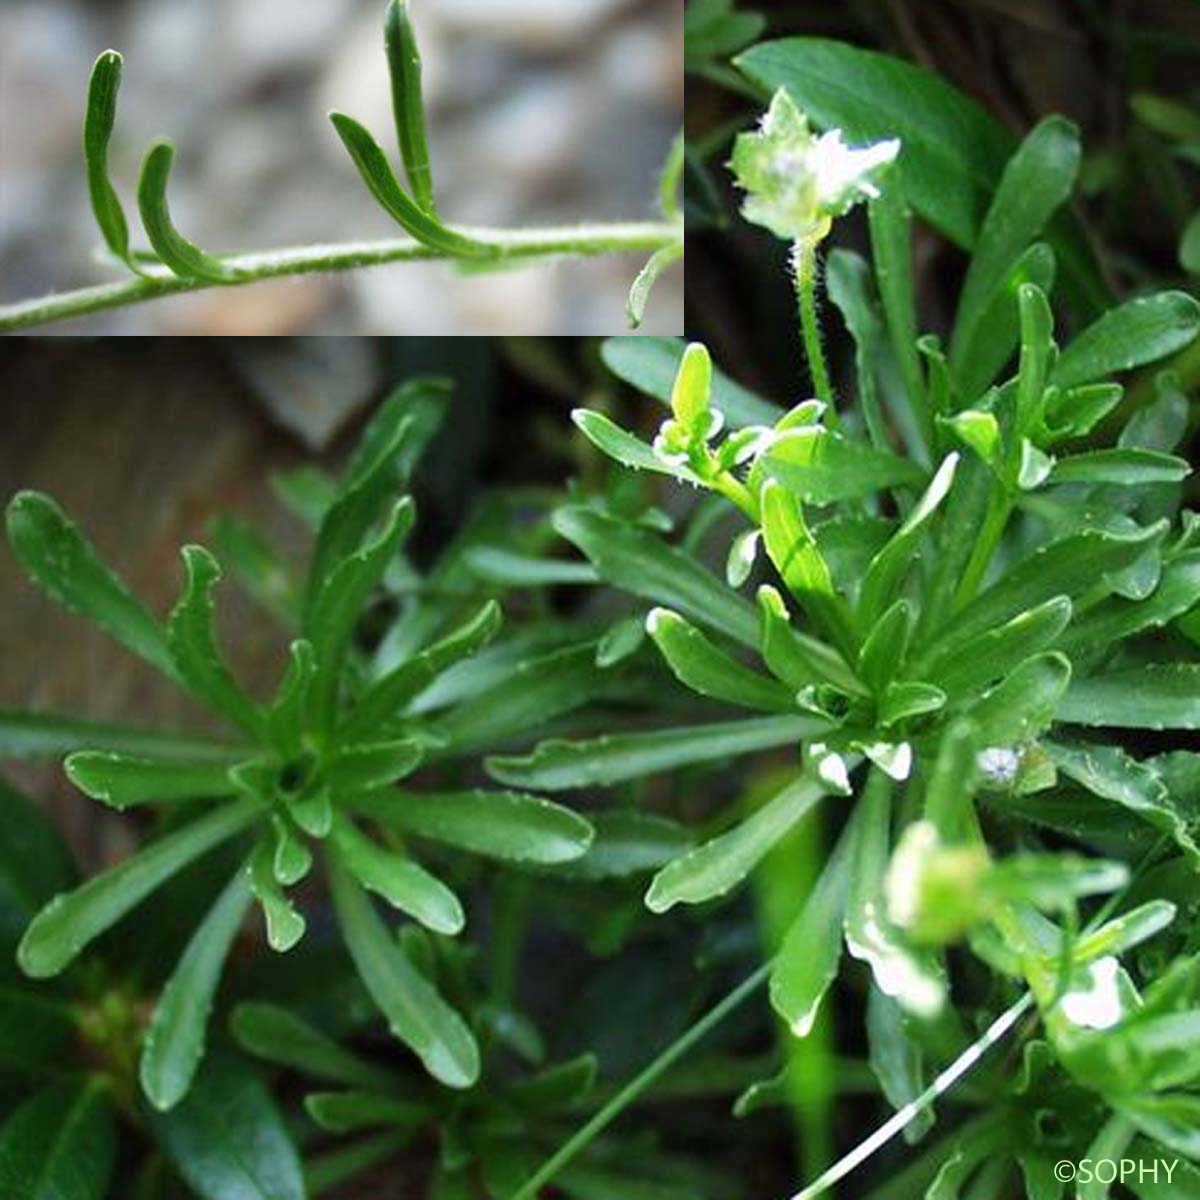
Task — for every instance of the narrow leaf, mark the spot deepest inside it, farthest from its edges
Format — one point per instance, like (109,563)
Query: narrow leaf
(701,665)
(98,124)
(70,921)
(381,181)
(614,758)
(174,1042)
(507,825)
(638,561)
(389,696)
(227,1139)
(183,257)
(62,561)
(1136,332)
(719,865)
(1155,697)
(1126,468)
(415,1013)
(647,277)
(1037,179)
(120,780)
(808,958)
(408,106)
(60,1144)
(886,570)
(192,641)
(1024,703)
(340,602)
(401,882)
(819,466)
(51,735)
(278,1035)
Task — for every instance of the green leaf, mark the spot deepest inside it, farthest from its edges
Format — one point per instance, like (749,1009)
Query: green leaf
(183,257)
(390,695)
(51,735)
(1069,567)
(257,567)
(408,107)
(403,883)
(507,825)
(415,1013)
(379,468)
(308,491)
(121,780)
(819,466)
(1134,333)
(227,1139)
(891,248)
(953,153)
(798,560)
(621,445)
(628,842)
(1037,351)
(98,124)
(885,646)
(794,657)
(647,277)
(896,1059)
(978,430)
(285,926)
(192,641)
(375,765)
(1037,179)
(1165,696)
(704,667)
(1108,772)
(70,921)
(278,1035)
(345,1112)
(1127,468)
(381,182)
(691,390)
(651,364)
(870,936)
(998,330)
(638,561)
(557,1086)
(807,961)
(493,564)
(339,605)
(614,758)
(1022,704)
(996,652)
(60,1144)
(1189,246)
(719,865)
(1170,1118)
(287,716)
(533,692)
(174,1042)
(886,570)
(61,560)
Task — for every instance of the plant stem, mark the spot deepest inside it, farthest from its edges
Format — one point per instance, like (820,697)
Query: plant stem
(639,1084)
(804,262)
(998,513)
(888,1130)
(515,247)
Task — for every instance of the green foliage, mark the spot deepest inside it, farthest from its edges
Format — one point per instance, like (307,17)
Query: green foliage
(176,264)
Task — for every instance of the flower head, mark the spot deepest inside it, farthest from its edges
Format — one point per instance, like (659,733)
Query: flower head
(796,183)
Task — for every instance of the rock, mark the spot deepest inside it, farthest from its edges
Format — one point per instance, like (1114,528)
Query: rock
(533,24)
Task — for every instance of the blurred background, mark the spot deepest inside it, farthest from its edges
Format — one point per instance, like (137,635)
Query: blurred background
(1126,71)
(541,112)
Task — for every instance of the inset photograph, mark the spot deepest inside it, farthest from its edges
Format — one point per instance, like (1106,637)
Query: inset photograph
(341,166)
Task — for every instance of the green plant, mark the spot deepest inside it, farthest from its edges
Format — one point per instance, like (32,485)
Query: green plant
(175,264)
(305,770)
(968,640)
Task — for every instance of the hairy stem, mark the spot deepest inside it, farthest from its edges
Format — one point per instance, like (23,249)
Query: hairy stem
(804,262)
(513,247)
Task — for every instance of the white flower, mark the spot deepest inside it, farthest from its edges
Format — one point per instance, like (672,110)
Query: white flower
(797,183)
